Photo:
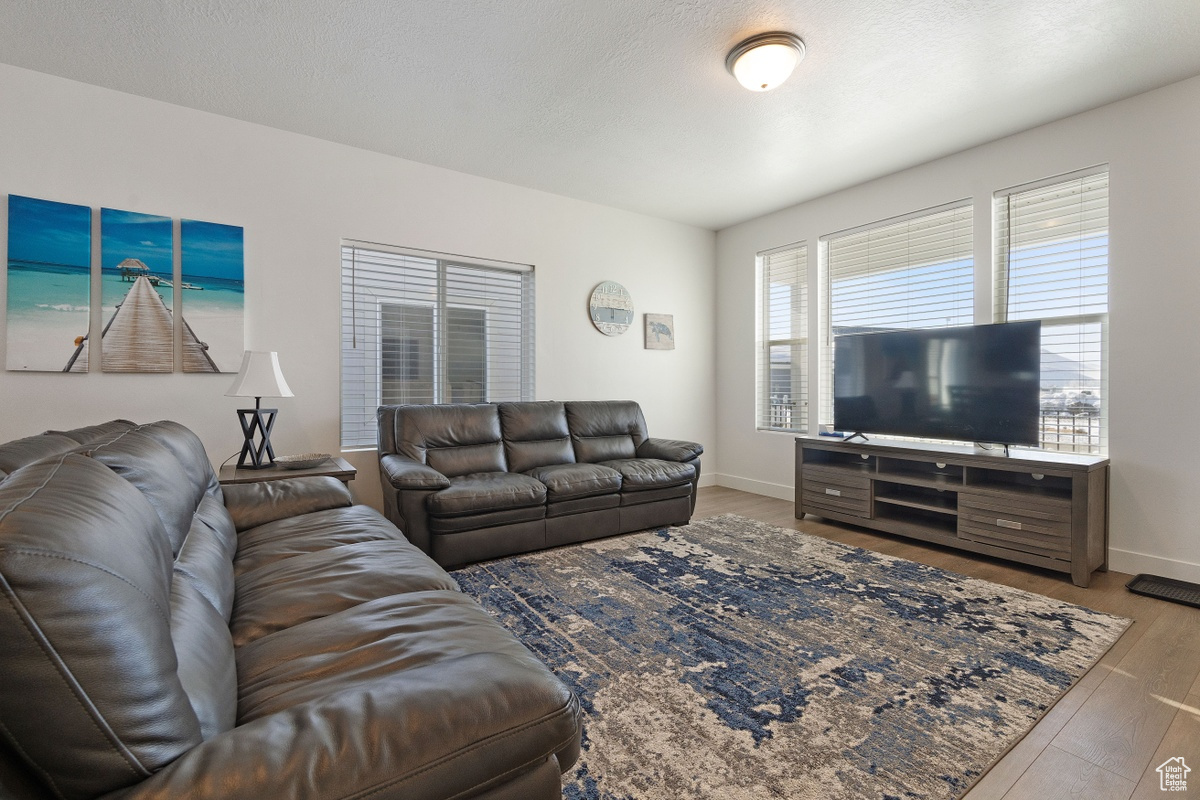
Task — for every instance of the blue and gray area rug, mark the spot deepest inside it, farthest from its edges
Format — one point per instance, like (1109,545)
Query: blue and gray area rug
(731,659)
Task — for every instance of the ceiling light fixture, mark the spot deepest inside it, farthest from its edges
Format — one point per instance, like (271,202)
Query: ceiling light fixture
(762,62)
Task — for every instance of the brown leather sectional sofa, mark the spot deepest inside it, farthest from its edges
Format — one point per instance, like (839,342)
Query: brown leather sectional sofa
(165,638)
(472,482)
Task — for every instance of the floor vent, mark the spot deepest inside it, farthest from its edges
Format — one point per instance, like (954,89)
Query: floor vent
(1166,589)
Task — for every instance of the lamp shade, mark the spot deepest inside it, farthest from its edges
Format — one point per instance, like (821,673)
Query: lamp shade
(762,62)
(259,376)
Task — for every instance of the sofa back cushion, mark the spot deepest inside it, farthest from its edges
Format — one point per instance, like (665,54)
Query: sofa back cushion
(455,439)
(92,433)
(535,435)
(204,651)
(139,458)
(18,453)
(91,694)
(605,430)
(188,451)
(167,462)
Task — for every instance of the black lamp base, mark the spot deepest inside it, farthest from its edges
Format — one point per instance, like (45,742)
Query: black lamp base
(257,422)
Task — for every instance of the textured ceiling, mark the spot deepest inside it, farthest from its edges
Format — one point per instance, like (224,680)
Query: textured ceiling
(624,102)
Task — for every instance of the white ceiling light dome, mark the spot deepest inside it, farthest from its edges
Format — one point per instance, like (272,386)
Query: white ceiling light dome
(762,62)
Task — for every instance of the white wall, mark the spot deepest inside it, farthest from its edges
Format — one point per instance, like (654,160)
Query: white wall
(297,197)
(1150,143)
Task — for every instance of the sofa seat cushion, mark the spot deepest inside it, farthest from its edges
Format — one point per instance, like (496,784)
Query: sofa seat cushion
(426,684)
(489,519)
(295,590)
(570,481)
(482,492)
(386,636)
(654,495)
(579,505)
(643,474)
(320,530)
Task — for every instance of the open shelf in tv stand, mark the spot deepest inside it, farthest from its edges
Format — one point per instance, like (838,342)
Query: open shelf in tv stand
(1041,508)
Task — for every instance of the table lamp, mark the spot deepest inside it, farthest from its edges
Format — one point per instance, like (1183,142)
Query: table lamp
(259,377)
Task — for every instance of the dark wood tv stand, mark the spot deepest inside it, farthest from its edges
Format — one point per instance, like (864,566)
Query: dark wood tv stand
(1041,508)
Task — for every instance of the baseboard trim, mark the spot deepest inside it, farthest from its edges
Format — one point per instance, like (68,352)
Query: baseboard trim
(1137,563)
(706,480)
(776,490)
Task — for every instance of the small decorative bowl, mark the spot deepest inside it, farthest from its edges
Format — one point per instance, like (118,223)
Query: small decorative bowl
(302,461)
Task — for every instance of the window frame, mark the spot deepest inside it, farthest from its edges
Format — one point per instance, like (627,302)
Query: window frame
(825,286)
(1001,296)
(518,320)
(764,343)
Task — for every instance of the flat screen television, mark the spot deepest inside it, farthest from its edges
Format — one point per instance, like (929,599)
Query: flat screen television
(976,383)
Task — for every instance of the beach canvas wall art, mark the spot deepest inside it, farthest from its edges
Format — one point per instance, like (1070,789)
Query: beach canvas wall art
(213,296)
(137,263)
(49,285)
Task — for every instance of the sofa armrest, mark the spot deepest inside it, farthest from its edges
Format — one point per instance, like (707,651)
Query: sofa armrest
(254,504)
(448,729)
(669,449)
(404,473)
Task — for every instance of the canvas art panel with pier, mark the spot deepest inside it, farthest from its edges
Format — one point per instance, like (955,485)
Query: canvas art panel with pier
(49,285)
(213,299)
(137,269)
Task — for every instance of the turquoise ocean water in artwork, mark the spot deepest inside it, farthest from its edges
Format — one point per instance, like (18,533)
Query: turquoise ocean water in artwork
(211,297)
(48,307)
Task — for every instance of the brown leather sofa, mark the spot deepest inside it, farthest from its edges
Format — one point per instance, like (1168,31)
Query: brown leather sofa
(472,482)
(166,638)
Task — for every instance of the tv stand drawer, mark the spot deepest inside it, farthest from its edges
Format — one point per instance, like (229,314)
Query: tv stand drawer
(838,490)
(1027,524)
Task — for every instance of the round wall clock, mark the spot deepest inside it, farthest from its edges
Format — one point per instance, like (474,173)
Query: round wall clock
(611,308)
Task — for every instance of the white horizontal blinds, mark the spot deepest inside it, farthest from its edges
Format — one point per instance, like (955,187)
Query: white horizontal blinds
(388,311)
(489,314)
(782,353)
(424,329)
(1052,265)
(913,272)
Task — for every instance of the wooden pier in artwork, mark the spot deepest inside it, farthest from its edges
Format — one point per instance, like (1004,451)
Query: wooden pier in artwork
(139,337)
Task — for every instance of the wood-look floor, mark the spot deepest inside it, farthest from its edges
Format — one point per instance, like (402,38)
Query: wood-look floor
(1105,738)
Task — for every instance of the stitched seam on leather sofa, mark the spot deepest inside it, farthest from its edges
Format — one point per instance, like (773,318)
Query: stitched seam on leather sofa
(49,477)
(599,483)
(523,769)
(93,714)
(48,554)
(46,776)
(450,757)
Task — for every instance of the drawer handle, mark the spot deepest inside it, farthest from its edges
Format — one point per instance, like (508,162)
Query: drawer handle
(834,492)
(1006,523)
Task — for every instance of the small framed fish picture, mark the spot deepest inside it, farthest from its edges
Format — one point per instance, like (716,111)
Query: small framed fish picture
(660,332)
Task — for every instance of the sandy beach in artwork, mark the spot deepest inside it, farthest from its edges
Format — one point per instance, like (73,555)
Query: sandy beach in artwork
(215,317)
(48,307)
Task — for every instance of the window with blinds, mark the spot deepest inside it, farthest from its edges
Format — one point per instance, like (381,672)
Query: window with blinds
(1052,265)
(782,368)
(916,271)
(426,328)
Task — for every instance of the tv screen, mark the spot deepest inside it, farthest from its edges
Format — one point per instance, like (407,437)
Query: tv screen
(977,383)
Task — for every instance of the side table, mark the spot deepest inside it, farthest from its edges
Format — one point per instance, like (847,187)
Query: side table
(335,468)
